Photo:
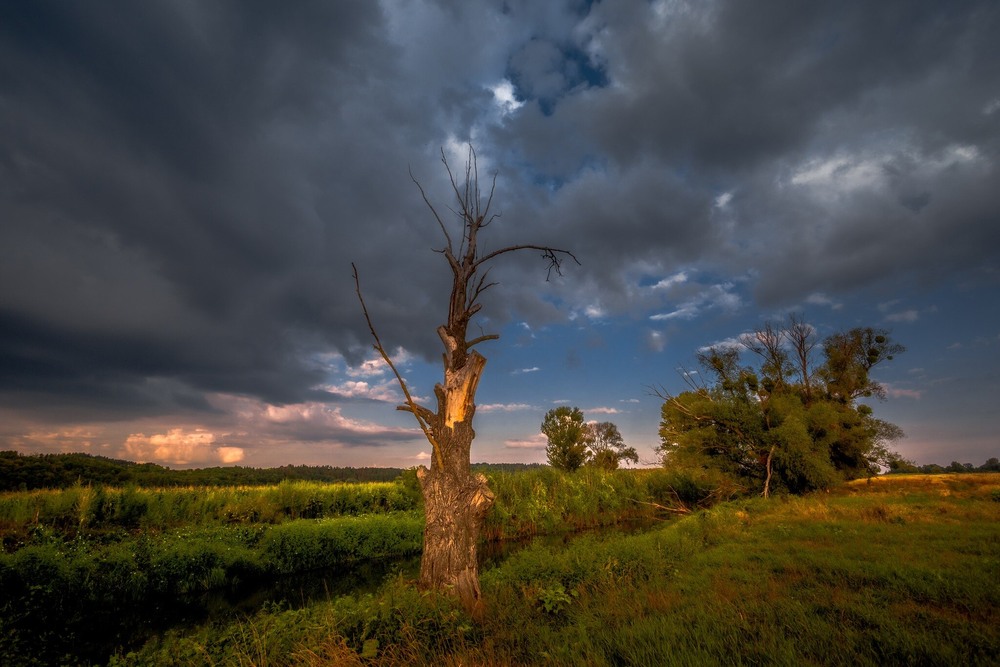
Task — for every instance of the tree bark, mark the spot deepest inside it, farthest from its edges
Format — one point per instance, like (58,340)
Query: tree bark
(455,500)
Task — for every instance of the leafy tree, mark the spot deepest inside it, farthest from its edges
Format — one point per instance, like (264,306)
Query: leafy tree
(564,428)
(606,447)
(850,356)
(783,424)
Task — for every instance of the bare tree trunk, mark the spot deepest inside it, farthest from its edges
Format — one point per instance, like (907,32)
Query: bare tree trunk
(455,500)
(454,507)
(767,481)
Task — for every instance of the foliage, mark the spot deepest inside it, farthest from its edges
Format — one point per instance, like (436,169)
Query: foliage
(782,426)
(97,508)
(564,428)
(548,500)
(898,465)
(893,572)
(572,442)
(606,446)
(85,558)
(60,471)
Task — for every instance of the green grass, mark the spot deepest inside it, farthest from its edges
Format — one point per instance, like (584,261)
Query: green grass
(899,571)
(95,508)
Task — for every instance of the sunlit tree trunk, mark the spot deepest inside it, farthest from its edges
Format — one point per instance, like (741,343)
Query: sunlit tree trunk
(456,501)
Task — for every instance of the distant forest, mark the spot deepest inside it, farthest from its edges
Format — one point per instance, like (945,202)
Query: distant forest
(902,466)
(22,472)
(19,472)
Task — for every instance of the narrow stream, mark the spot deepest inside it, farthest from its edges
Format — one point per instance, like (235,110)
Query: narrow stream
(130,628)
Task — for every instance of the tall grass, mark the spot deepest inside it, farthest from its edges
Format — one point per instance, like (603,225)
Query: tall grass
(867,575)
(547,500)
(85,507)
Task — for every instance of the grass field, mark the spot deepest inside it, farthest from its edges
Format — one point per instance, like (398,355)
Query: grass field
(895,571)
(77,561)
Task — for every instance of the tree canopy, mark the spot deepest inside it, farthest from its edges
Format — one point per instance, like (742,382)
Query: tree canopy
(572,442)
(784,422)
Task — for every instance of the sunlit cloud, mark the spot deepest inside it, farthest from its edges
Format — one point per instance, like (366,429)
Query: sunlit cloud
(180,447)
(603,411)
(522,371)
(387,391)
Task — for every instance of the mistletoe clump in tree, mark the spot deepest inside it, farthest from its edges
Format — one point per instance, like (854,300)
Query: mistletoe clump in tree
(455,500)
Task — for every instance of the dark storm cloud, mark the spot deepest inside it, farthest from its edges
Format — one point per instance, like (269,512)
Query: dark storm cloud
(185,185)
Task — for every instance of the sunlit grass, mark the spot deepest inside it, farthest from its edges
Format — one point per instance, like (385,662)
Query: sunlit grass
(889,573)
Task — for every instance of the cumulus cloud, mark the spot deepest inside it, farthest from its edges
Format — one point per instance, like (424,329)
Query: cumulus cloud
(180,447)
(602,410)
(181,212)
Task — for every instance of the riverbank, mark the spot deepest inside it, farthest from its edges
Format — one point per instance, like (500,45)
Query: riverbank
(90,570)
(894,572)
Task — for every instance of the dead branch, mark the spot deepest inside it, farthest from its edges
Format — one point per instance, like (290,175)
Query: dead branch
(419,412)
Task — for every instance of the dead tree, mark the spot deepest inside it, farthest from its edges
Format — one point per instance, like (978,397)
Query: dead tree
(455,500)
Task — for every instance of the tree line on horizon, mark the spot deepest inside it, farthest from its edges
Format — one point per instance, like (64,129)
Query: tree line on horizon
(26,472)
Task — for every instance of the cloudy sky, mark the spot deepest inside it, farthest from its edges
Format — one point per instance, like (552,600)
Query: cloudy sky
(184,186)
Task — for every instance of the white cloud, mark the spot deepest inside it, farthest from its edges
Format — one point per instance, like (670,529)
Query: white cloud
(387,391)
(376,366)
(722,200)
(821,299)
(712,296)
(603,411)
(503,407)
(725,343)
(841,173)
(670,281)
(534,442)
(846,173)
(522,371)
(686,312)
(899,392)
(656,341)
(903,316)
(504,98)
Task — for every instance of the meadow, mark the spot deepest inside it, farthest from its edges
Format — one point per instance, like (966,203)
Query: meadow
(895,570)
(75,560)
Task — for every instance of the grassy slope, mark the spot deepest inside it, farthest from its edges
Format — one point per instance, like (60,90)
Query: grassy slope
(902,570)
